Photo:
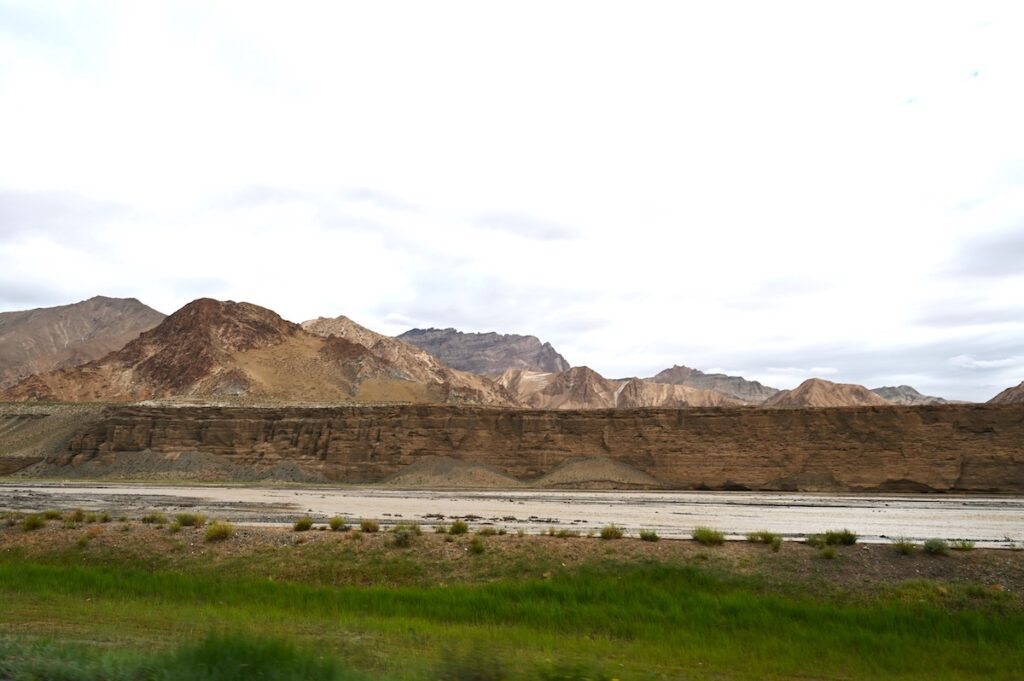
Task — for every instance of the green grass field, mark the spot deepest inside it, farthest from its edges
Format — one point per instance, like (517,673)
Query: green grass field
(604,620)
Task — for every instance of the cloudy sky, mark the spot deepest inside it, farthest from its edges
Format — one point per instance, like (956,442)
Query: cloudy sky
(778,190)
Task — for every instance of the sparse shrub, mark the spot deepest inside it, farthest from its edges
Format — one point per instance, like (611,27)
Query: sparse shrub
(566,533)
(92,518)
(487,531)
(154,519)
(459,527)
(476,546)
(104,517)
(367,525)
(550,532)
(355,535)
(11,519)
(936,547)
(521,532)
(337,524)
(219,531)
(904,546)
(123,519)
(441,529)
(611,532)
(828,552)
(303,524)
(448,539)
(83,541)
(33,522)
(69,524)
(174,528)
(402,538)
(840,538)
(52,514)
(190,519)
(962,545)
(815,540)
(75,516)
(649,535)
(765,537)
(708,536)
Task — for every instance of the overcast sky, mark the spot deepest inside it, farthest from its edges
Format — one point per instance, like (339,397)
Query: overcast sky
(773,189)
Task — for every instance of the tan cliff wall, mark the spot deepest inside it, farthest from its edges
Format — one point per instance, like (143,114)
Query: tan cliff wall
(929,448)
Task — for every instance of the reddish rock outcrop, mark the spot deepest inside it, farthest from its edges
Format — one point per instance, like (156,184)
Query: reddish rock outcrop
(968,448)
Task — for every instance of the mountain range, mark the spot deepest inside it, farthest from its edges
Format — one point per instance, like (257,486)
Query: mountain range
(119,350)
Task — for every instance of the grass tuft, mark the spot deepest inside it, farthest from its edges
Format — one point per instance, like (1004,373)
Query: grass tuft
(369,526)
(708,536)
(75,516)
(219,531)
(936,547)
(33,522)
(828,552)
(840,538)
(904,546)
(962,545)
(649,535)
(190,519)
(52,514)
(487,531)
(337,524)
(303,524)
(154,519)
(611,532)
(459,527)
(476,546)
(765,537)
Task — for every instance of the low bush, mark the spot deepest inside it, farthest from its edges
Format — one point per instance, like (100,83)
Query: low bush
(337,524)
(459,527)
(154,519)
(83,541)
(52,514)
(219,531)
(402,538)
(904,546)
(962,545)
(815,540)
(828,552)
(936,547)
(303,524)
(367,525)
(355,535)
(190,519)
(487,531)
(33,522)
(174,528)
(765,537)
(611,532)
(441,529)
(104,517)
(75,516)
(840,538)
(708,536)
(566,533)
(476,546)
(649,535)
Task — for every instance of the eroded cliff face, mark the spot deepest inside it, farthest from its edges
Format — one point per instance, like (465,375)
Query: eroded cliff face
(933,448)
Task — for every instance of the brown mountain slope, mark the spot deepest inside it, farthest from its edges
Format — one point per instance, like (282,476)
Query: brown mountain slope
(1013,395)
(44,339)
(735,387)
(415,363)
(487,353)
(817,392)
(213,350)
(584,388)
(906,396)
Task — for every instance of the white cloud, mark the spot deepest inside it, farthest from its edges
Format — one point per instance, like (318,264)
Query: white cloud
(665,183)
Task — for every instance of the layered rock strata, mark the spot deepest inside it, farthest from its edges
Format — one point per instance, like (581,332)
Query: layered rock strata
(963,448)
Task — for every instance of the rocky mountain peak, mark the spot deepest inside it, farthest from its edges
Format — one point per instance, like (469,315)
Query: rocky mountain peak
(489,353)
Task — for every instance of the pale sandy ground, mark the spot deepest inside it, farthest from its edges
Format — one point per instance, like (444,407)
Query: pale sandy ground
(991,521)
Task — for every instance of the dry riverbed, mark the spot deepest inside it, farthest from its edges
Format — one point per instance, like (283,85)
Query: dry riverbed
(994,522)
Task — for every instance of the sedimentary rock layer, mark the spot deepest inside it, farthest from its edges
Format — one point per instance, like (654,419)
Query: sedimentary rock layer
(931,448)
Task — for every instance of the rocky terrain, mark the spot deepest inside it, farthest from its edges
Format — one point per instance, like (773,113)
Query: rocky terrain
(584,388)
(1013,395)
(735,387)
(817,392)
(906,395)
(489,354)
(44,339)
(967,448)
(227,351)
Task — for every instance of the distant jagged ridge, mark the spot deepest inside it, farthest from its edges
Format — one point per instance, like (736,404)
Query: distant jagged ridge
(906,396)
(44,339)
(489,354)
(736,387)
